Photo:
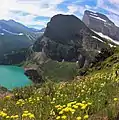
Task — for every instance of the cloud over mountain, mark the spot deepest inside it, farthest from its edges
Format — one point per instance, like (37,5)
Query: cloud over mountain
(36,13)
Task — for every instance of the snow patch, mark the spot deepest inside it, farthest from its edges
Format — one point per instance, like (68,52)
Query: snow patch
(1,33)
(98,18)
(12,32)
(20,34)
(106,37)
(94,14)
(97,38)
(9,32)
(107,24)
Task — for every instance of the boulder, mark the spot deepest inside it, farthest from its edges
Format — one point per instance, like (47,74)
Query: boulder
(33,75)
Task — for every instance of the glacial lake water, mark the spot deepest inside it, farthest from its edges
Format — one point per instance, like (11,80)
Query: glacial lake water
(12,77)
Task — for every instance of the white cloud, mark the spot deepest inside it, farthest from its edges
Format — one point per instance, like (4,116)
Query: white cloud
(49,8)
(37,7)
(29,20)
(46,8)
(72,8)
(114,1)
(100,3)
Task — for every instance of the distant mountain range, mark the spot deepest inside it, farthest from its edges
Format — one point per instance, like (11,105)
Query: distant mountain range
(15,36)
(66,37)
(12,27)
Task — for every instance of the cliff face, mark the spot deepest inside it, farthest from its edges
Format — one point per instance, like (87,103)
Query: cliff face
(67,38)
(100,23)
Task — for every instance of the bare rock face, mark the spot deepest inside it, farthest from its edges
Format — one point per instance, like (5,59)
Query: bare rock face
(67,38)
(33,75)
(100,23)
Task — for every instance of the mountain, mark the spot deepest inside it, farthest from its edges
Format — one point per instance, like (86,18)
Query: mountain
(102,25)
(69,88)
(15,36)
(67,38)
(42,30)
(14,28)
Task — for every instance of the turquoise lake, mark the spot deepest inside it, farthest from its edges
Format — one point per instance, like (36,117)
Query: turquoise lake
(12,77)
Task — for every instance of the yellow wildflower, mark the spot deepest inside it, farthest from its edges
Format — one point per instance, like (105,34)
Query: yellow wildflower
(89,103)
(4,109)
(84,107)
(78,118)
(64,106)
(69,105)
(7,97)
(83,102)
(38,98)
(86,117)
(75,106)
(24,115)
(115,99)
(7,117)
(14,116)
(54,99)
(79,104)
(64,117)
(61,112)
(57,106)
(52,102)
(31,116)
(26,112)
(58,117)
(67,109)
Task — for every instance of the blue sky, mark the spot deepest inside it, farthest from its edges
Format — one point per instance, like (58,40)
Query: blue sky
(36,13)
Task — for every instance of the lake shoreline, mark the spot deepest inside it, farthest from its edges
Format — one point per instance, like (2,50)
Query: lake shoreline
(13,77)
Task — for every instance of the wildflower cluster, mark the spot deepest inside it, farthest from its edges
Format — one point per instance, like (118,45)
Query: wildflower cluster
(20,102)
(74,110)
(75,100)
(27,114)
(4,115)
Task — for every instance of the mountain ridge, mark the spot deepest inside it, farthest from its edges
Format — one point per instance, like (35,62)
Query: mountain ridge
(15,36)
(101,23)
(66,38)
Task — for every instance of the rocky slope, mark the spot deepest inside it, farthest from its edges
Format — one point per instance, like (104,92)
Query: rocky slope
(67,38)
(15,36)
(100,23)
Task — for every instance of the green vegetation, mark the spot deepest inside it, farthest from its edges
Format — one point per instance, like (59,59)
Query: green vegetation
(11,43)
(59,71)
(92,97)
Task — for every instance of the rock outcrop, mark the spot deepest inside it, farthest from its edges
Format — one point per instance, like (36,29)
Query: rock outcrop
(100,23)
(67,38)
(33,75)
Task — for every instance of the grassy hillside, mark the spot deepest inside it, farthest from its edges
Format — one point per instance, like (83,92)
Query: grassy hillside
(59,71)
(92,97)
(54,70)
(9,43)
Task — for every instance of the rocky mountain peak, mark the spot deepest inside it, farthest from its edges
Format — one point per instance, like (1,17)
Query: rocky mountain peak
(64,28)
(67,38)
(98,16)
(101,23)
